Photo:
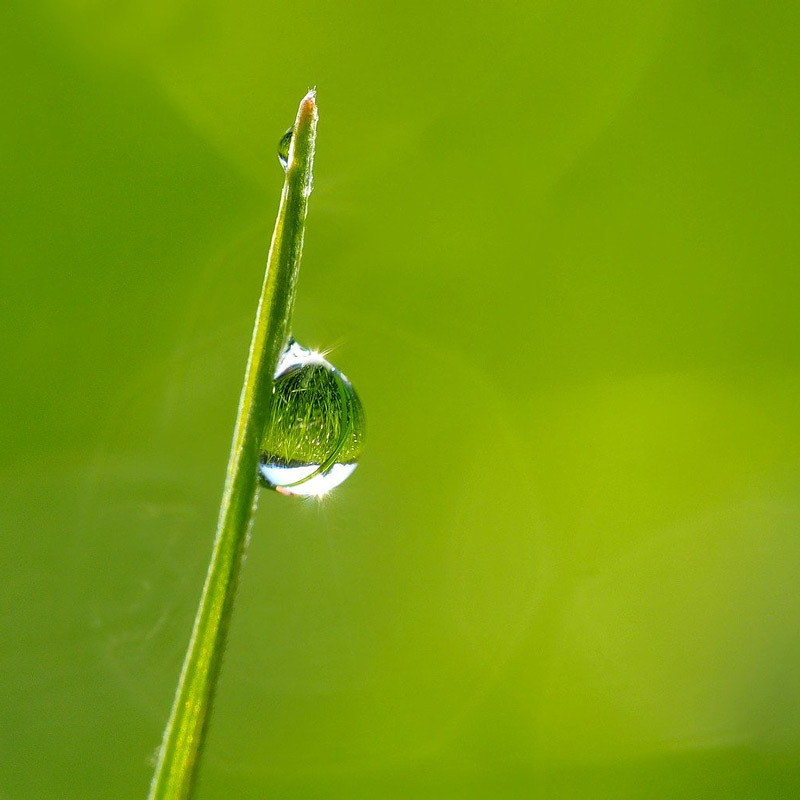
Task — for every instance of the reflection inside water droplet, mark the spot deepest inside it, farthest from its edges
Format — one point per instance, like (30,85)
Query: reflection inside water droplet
(315,433)
(283,148)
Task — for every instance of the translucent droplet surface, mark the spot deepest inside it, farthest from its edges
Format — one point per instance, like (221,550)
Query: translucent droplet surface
(315,433)
(283,148)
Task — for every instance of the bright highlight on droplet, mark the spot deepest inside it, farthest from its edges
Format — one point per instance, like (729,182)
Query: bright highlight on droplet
(315,433)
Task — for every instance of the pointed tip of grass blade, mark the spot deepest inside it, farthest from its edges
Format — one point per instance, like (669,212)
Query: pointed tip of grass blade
(301,155)
(308,107)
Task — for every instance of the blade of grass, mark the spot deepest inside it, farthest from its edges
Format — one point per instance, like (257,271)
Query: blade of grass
(185,731)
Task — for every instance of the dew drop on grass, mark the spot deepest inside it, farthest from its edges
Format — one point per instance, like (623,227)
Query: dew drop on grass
(315,433)
(283,148)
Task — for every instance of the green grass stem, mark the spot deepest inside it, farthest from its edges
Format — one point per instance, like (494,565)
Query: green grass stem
(185,730)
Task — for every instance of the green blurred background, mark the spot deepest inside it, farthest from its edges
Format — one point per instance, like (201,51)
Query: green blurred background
(555,247)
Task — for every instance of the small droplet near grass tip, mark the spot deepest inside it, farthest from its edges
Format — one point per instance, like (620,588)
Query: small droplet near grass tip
(315,434)
(283,148)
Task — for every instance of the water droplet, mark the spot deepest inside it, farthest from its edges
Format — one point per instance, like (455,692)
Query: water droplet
(283,148)
(315,434)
